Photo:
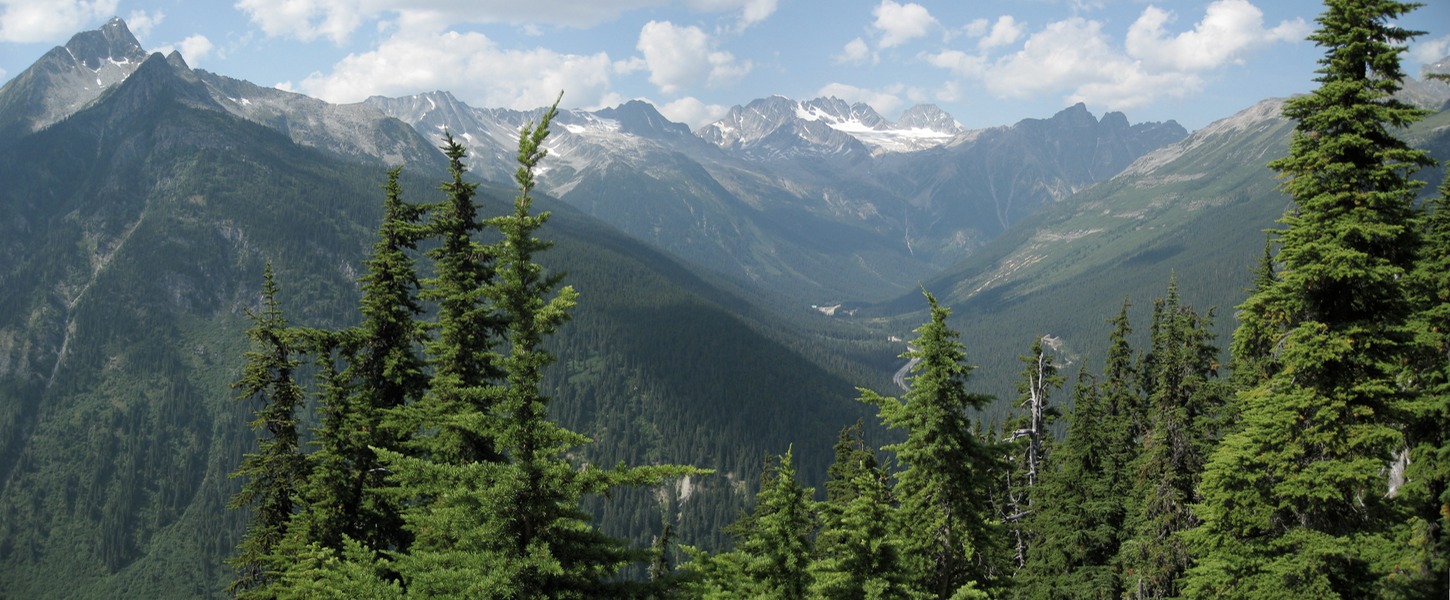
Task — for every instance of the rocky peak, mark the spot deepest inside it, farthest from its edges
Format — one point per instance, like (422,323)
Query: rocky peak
(70,77)
(930,117)
(640,118)
(112,43)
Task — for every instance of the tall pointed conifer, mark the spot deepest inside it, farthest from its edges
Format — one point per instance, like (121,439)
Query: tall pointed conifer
(1296,501)
(950,540)
(276,470)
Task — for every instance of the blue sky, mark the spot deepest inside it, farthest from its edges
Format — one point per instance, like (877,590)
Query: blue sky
(987,62)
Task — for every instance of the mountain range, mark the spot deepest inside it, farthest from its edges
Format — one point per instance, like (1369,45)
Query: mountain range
(143,198)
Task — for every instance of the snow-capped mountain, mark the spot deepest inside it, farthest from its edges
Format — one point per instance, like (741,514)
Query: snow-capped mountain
(776,127)
(777,184)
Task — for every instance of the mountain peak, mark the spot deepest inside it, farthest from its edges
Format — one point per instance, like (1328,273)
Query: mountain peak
(928,116)
(112,43)
(70,77)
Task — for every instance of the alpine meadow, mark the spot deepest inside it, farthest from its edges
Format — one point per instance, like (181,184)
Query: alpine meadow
(257,344)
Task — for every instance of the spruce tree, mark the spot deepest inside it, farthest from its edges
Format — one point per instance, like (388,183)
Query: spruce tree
(494,496)
(773,544)
(276,470)
(384,372)
(463,350)
(1295,501)
(1084,498)
(1077,517)
(1184,399)
(857,553)
(950,541)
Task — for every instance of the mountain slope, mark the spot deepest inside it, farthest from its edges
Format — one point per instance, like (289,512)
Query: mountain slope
(817,201)
(134,238)
(1196,209)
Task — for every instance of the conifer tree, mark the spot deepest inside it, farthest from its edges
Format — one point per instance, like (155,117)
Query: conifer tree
(1296,501)
(857,553)
(1184,400)
(463,352)
(1078,511)
(950,541)
(1425,462)
(384,372)
(275,472)
(1259,329)
(494,497)
(1084,498)
(773,544)
(1030,436)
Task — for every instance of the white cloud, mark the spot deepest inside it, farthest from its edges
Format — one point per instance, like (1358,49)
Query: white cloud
(680,58)
(855,52)
(1430,51)
(901,23)
(886,101)
(306,20)
(2,74)
(140,23)
(1229,30)
(1074,56)
(751,11)
(1004,32)
(470,65)
(194,49)
(309,20)
(692,112)
(1077,59)
(977,28)
(28,21)
(959,63)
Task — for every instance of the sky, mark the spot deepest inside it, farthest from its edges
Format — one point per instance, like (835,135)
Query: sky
(987,62)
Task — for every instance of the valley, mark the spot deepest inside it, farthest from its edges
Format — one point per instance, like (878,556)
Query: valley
(740,285)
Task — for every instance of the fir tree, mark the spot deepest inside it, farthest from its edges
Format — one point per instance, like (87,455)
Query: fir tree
(949,540)
(384,373)
(275,472)
(1295,501)
(463,351)
(1083,500)
(773,544)
(495,501)
(1184,399)
(857,553)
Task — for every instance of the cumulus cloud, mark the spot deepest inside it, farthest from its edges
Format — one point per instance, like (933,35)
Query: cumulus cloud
(1004,32)
(194,49)
(141,22)
(1229,30)
(1075,57)
(693,112)
(855,52)
(679,58)
(886,101)
(901,23)
(29,21)
(470,65)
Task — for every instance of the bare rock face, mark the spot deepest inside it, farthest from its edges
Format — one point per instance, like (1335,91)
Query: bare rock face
(70,77)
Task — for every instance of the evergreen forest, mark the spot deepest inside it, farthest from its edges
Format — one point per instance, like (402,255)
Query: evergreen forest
(1314,463)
